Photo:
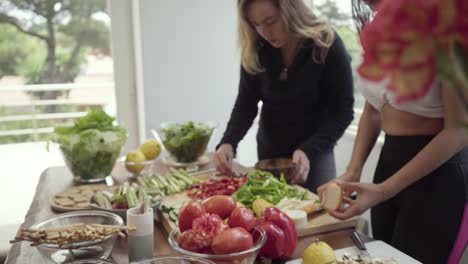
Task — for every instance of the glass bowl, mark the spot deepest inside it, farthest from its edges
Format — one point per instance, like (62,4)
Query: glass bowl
(91,154)
(185,143)
(99,249)
(92,261)
(135,169)
(174,260)
(244,257)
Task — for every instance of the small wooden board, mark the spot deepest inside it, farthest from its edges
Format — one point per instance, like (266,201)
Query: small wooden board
(321,222)
(317,222)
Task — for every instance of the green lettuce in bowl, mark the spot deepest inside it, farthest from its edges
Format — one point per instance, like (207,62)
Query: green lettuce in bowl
(186,142)
(91,146)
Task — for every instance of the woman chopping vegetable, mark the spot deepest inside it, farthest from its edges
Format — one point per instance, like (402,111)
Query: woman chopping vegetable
(299,69)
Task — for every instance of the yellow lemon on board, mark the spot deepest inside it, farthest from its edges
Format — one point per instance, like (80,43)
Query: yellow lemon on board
(151,149)
(318,253)
(135,157)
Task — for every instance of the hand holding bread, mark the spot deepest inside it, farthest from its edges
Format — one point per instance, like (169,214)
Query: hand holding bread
(368,195)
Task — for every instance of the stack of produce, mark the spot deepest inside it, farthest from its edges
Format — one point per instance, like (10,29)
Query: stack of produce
(91,146)
(125,196)
(69,234)
(262,184)
(147,151)
(204,228)
(186,142)
(224,186)
(175,182)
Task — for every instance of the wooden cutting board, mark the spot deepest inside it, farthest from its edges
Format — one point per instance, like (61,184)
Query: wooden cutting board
(323,222)
(317,223)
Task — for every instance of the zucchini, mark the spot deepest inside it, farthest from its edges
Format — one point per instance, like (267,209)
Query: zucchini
(173,215)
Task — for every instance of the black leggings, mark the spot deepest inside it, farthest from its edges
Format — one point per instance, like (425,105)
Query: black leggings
(423,220)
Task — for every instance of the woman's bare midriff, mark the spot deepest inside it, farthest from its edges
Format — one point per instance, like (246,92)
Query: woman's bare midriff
(401,123)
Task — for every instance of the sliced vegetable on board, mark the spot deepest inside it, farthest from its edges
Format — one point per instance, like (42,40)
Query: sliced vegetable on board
(262,184)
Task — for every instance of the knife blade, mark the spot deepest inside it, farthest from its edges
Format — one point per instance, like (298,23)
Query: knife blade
(360,245)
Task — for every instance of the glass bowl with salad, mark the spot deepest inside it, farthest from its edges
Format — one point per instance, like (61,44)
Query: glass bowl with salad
(185,142)
(91,146)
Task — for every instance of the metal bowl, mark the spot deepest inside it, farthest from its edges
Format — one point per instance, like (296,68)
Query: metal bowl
(98,249)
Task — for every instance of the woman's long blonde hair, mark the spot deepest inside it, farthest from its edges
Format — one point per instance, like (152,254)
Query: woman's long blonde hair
(298,19)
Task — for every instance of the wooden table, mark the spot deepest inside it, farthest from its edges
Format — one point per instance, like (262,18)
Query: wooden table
(56,179)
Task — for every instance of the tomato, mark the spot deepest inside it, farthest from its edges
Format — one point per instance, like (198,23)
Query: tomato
(188,213)
(221,205)
(242,217)
(232,240)
(191,240)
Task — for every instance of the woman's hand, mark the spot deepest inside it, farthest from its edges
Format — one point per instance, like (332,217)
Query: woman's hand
(223,159)
(368,195)
(348,176)
(303,167)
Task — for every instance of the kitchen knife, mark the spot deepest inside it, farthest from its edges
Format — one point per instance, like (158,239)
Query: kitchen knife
(360,245)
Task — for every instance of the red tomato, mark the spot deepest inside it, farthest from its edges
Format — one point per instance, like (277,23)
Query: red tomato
(221,205)
(232,240)
(188,213)
(242,217)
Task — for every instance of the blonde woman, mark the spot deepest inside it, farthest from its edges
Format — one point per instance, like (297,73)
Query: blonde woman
(297,66)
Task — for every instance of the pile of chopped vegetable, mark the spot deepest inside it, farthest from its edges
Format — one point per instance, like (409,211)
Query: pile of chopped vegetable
(262,184)
(92,145)
(126,196)
(174,182)
(187,142)
(224,186)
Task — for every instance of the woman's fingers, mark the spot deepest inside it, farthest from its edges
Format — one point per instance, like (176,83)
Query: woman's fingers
(223,163)
(301,175)
(346,213)
(349,187)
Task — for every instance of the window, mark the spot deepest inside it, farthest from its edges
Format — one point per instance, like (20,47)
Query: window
(55,64)
(340,15)
(61,69)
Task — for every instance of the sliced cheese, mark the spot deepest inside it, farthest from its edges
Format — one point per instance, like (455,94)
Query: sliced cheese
(299,217)
(332,197)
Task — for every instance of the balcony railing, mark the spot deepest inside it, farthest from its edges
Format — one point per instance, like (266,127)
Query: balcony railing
(27,109)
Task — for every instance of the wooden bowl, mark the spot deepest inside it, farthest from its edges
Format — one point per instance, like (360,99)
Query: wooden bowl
(277,167)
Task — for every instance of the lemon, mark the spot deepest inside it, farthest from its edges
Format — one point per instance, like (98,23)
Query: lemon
(135,156)
(318,253)
(151,149)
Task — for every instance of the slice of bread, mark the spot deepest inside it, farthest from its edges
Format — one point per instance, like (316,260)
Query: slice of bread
(332,197)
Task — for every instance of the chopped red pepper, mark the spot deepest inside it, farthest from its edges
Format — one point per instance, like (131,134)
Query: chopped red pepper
(225,186)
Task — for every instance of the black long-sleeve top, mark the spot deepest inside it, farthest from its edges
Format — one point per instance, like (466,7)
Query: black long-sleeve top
(309,111)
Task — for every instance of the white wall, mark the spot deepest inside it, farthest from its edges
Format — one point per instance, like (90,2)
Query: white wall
(189,60)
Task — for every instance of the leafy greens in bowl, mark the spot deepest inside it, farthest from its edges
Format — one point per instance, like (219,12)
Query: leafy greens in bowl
(91,146)
(186,142)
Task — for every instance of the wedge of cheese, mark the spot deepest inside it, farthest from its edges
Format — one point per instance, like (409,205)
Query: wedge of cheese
(332,197)
(299,217)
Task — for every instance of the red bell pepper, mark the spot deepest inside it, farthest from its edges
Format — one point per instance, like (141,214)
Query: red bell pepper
(281,234)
